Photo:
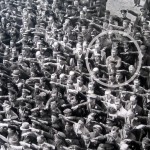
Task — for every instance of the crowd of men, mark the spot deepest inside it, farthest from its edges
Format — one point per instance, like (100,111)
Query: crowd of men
(48,98)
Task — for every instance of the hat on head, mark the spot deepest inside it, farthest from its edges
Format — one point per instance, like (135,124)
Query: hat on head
(97,127)
(16,73)
(142,8)
(80,78)
(61,135)
(66,111)
(12,127)
(25,126)
(127,21)
(123,11)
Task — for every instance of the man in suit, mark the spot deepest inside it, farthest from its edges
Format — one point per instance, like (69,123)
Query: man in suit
(133,106)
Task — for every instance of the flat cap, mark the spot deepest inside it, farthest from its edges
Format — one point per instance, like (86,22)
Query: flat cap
(66,111)
(61,135)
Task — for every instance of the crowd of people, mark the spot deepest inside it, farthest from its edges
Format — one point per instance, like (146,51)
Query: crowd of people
(48,98)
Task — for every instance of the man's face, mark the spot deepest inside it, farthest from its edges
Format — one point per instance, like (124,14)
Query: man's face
(80,82)
(123,14)
(105,24)
(81,15)
(11,96)
(113,53)
(125,24)
(97,58)
(40,140)
(143,12)
(80,124)
(24,94)
(111,78)
(76,3)
(90,87)
(118,105)
(133,101)
(86,139)
(136,83)
(118,77)
(68,128)
(143,51)
(126,46)
(131,69)
(74,102)
(65,39)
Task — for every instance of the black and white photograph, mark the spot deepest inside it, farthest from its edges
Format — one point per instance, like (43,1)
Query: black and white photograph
(74,74)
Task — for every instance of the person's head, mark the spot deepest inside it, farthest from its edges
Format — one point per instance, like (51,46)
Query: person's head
(76,3)
(85,45)
(91,99)
(54,118)
(108,93)
(112,77)
(145,25)
(118,103)
(91,117)
(131,69)
(127,128)
(133,99)
(86,138)
(12,95)
(143,11)
(62,77)
(96,72)
(143,49)
(80,81)
(124,146)
(67,112)
(79,50)
(40,139)
(68,126)
(91,86)
(79,64)
(11,129)
(97,129)
(113,52)
(81,123)
(107,14)
(7,15)
(125,45)
(82,15)
(54,77)
(126,23)
(119,76)
(43,113)
(123,13)
(25,92)
(114,131)
(71,74)
(146,35)
(73,100)
(97,57)
(136,83)
(83,29)
(65,39)
(146,143)
(105,23)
